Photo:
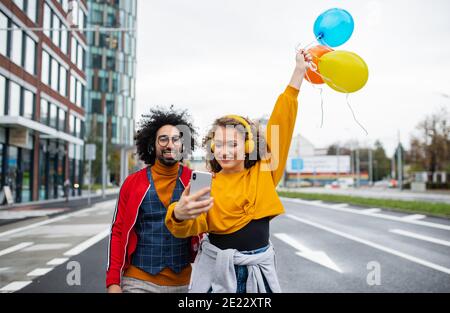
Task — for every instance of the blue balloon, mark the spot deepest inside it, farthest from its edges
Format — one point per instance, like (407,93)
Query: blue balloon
(334,27)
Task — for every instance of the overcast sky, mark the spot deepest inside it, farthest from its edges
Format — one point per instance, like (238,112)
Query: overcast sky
(216,57)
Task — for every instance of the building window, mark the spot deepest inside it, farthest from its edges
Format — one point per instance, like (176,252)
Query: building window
(28,104)
(64,39)
(65,5)
(80,57)
(72,124)
(45,74)
(47,20)
(73,51)
(78,128)
(73,86)
(44,112)
(32,10)
(16,45)
(2,95)
(19,3)
(62,120)
(53,115)
(55,72)
(3,34)
(14,99)
(62,80)
(30,55)
(55,30)
(79,94)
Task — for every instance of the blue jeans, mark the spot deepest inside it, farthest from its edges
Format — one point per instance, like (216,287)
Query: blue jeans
(242,273)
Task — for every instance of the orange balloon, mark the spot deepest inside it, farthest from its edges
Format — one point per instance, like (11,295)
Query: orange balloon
(316,52)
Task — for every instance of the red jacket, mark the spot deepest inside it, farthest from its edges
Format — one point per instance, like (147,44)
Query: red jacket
(123,238)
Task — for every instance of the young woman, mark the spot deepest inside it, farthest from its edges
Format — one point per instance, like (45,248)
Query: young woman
(237,255)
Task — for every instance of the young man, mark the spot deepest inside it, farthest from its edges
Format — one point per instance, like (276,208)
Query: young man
(143,256)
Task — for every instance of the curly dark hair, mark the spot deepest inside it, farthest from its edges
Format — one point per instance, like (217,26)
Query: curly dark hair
(251,159)
(150,124)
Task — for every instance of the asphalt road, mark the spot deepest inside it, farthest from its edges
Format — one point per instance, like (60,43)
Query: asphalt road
(320,248)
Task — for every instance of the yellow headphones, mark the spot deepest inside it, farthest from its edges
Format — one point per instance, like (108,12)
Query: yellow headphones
(249,142)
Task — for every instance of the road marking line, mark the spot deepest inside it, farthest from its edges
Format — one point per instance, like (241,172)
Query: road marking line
(46,247)
(361,212)
(15,286)
(52,220)
(414,217)
(15,248)
(88,243)
(57,261)
(319,257)
(420,237)
(373,245)
(4,269)
(339,205)
(39,271)
(371,211)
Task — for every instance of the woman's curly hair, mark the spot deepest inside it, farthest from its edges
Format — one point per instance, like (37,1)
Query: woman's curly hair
(259,153)
(150,124)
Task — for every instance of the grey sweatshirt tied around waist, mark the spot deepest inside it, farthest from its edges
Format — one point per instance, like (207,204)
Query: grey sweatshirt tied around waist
(214,268)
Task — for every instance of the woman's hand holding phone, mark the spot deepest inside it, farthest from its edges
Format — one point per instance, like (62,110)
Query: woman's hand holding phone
(190,206)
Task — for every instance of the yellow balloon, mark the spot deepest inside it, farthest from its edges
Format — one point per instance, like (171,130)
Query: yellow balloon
(343,71)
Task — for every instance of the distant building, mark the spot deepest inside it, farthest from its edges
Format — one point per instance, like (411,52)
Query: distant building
(307,164)
(111,76)
(42,81)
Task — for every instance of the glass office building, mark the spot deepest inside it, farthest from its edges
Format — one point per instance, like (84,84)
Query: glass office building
(111,71)
(42,101)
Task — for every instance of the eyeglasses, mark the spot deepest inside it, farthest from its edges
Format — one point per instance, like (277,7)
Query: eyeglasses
(164,140)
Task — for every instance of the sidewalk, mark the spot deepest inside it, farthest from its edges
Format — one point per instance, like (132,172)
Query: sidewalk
(50,208)
(379,193)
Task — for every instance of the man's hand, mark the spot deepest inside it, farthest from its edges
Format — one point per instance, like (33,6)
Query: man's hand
(114,289)
(190,207)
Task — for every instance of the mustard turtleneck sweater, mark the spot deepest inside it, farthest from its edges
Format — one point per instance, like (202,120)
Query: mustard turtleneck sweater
(249,194)
(165,178)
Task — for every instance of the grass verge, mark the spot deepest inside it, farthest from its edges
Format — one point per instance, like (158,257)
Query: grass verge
(427,208)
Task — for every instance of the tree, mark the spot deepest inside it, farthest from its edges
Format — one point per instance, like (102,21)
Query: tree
(430,147)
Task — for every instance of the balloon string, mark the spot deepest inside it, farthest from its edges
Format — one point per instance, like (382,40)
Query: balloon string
(316,70)
(347,96)
(321,98)
(354,117)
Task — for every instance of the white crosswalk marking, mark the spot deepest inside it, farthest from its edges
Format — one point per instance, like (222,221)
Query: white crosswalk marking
(15,248)
(88,243)
(420,237)
(57,261)
(39,271)
(15,285)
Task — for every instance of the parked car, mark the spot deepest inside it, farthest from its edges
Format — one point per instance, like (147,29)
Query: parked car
(344,182)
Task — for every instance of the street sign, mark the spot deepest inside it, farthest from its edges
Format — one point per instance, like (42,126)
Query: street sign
(297,164)
(90,152)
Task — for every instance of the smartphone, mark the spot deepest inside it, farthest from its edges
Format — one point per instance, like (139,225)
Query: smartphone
(200,180)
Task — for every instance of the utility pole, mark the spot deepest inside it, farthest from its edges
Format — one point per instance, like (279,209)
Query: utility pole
(358,173)
(400,163)
(104,153)
(370,167)
(338,152)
